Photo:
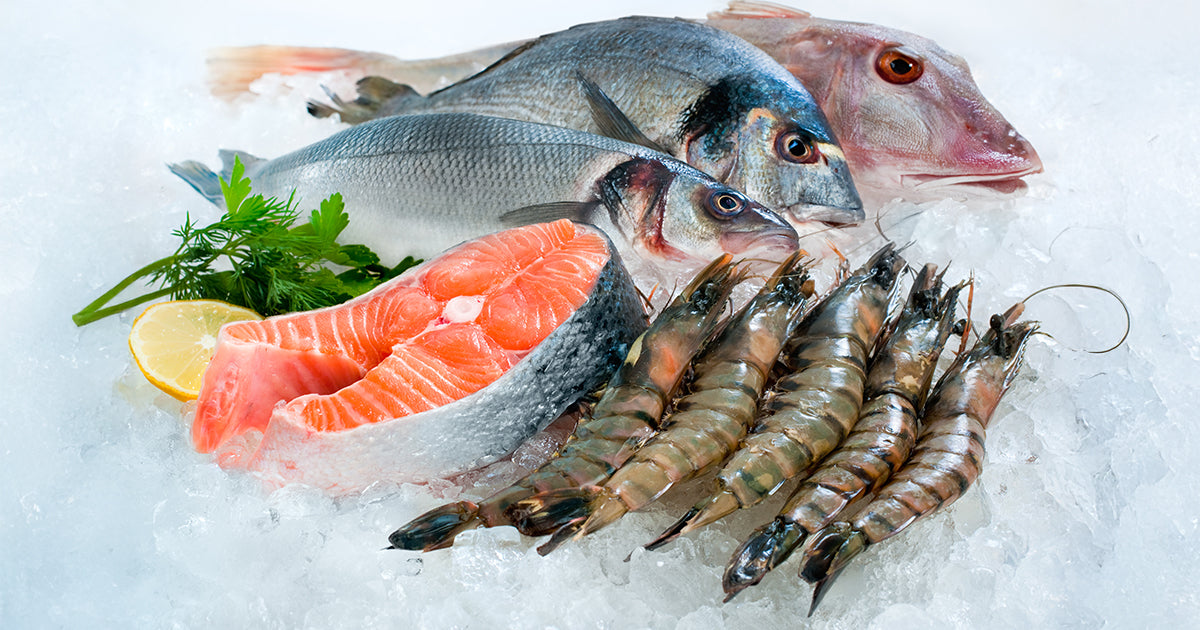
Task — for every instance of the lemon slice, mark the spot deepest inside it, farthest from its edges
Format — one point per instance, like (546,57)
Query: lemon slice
(172,342)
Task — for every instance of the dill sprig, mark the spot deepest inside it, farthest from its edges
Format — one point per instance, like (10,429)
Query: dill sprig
(254,257)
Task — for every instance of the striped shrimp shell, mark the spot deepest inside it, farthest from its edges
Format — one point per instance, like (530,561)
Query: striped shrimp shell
(946,460)
(707,423)
(812,409)
(880,442)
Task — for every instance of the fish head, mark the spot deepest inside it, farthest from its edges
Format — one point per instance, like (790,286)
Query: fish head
(765,136)
(675,212)
(908,113)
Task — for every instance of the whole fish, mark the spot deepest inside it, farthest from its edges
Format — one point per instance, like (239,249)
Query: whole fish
(415,185)
(907,112)
(908,115)
(700,94)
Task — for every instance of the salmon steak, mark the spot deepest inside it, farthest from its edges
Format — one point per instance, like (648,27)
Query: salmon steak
(446,368)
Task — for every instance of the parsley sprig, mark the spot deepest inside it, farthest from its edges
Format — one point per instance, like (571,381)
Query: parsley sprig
(254,257)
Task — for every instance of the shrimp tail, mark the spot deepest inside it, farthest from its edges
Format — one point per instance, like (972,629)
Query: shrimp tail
(766,548)
(436,528)
(708,511)
(567,512)
(831,550)
(545,512)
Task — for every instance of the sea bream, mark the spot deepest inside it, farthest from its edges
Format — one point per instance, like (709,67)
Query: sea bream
(415,185)
(700,94)
(907,113)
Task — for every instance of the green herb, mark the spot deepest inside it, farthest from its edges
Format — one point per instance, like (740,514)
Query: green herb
(268,265)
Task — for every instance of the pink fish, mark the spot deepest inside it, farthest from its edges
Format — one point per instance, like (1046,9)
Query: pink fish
(907,112)
(909,116)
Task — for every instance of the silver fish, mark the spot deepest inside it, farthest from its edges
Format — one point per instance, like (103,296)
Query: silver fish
(700,94)
(928,129)
(419,184)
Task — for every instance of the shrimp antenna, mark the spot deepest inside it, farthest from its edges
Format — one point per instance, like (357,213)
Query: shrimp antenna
(1069,285)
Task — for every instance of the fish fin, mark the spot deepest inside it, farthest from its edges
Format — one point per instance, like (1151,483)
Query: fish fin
(377,97)
(208,183)
(497,63)
(227,157)
(580,211)
(232,69)
(609,118)
(755,9)
(201,178)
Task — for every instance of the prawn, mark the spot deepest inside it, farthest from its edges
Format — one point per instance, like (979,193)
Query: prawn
(812,409)
(946,460)
(880,442)
(627,413)
(707,423)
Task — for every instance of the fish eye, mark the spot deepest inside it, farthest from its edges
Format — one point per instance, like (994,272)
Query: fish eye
(897,67)
(726,203)
(795,146)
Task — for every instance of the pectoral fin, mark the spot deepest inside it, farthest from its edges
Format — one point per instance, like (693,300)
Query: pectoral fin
(580,211)
(609,118)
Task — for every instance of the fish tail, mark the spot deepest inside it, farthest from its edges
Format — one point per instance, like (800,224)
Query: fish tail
(231,70)
(377,97)
(201,178)
(436,528)
(208,183)
(227,159)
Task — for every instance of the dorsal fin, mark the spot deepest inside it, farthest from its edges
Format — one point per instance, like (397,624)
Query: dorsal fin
(609,118)
(495,64)
(757,9)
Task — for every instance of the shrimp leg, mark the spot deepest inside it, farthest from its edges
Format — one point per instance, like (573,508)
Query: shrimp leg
(813,408)
(627,413)
(947,458)
(707,423)
(879,443)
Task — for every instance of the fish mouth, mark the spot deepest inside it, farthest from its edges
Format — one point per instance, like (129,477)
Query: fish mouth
(773,245)
(832,215)
(1006,182)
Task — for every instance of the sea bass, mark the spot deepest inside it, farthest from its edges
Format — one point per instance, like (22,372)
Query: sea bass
(694,92)
(446,368)
(415,185)
(907,113)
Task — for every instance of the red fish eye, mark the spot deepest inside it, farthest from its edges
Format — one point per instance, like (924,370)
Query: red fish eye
(794,146)
(897,67)
(726,203)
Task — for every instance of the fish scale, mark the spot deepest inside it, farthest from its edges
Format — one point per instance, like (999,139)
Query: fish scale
(415,185)
(700,94)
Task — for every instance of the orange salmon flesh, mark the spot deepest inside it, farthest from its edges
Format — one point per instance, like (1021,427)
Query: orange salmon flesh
(432,336)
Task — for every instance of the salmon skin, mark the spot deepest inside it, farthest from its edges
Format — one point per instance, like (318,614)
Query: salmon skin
(700,94)
(923,132)
(449,367)
(415,185)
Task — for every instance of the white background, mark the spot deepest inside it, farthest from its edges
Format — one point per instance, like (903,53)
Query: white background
(1085,515)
